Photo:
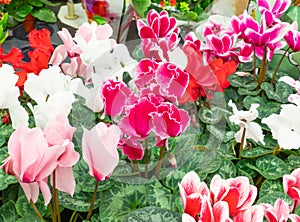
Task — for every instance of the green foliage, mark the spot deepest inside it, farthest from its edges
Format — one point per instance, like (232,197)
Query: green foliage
(153,214)
(8,212)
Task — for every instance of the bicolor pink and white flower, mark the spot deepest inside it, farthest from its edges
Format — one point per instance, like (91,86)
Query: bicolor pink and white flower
(275,7)
(245,120)
(292,37)
(255,213)
(285,127)
(99,150)
(264,38)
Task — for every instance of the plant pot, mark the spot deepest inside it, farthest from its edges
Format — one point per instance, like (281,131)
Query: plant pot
(118,14)
(29,23)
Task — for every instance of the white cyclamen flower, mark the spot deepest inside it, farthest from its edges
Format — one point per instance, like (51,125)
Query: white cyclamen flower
(285,126)
(9,96)
(244,120)
(53,93)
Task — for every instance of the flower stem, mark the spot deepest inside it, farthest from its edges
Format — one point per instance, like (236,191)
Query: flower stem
(53,216)
(55,198)
(135,166)
(242,143)
(278,65)
(146,158)
(254,62)
(158,164)
(262,70)
(276,150)
(92,201)
(36,210)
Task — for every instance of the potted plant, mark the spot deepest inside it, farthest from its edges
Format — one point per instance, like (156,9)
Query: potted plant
(29,10)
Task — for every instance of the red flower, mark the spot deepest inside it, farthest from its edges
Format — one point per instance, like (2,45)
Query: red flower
(173,2)
(223,70)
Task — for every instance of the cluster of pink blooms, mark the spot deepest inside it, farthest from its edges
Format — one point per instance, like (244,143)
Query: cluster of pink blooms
(231,200)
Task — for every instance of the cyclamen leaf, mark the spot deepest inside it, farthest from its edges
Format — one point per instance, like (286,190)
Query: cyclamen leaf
(153,214)
(24,208)
(270,167)
(281,92)
(256,152)
(293,162)
(272,197)
(8,212)
(270,186)
(121,199)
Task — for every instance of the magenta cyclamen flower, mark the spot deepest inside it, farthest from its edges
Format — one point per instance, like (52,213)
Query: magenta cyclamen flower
(263,38)
(114,95)
(276,7)
(292,37)
(159,26)
(31,160)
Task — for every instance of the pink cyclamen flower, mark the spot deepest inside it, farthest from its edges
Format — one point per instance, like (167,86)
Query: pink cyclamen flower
(276,7)
(132,148)
(291,184)
(221,212)
(193,194)
(99,150)
(159,25)
(31,160)
(172,79)
(277,213)
(292,37)
(114,95)
(293,98)
(58,132)
(145,73)
(136,123)
(254,213)
(168,121)
(237,192)
(264,38)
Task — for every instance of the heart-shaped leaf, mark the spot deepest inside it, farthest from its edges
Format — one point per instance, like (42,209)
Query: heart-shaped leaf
(270,186)
(153,214)
(8,212)
(280,93)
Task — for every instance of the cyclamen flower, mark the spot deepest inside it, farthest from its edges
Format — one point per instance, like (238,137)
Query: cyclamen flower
(195,197)
(265,39)
(292,37)
(59,132)
(31,160)
(99,150)
(293,98)
(285,127)
(244,120)
(9,96)
(291,184)
(168,121)
(237,192)
(159,26)
(53,93)
(114,96)
(254,213)
(275,7)
(279,212)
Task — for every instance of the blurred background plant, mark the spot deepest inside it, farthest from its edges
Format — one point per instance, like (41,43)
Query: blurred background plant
(38,9)
(192,10)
